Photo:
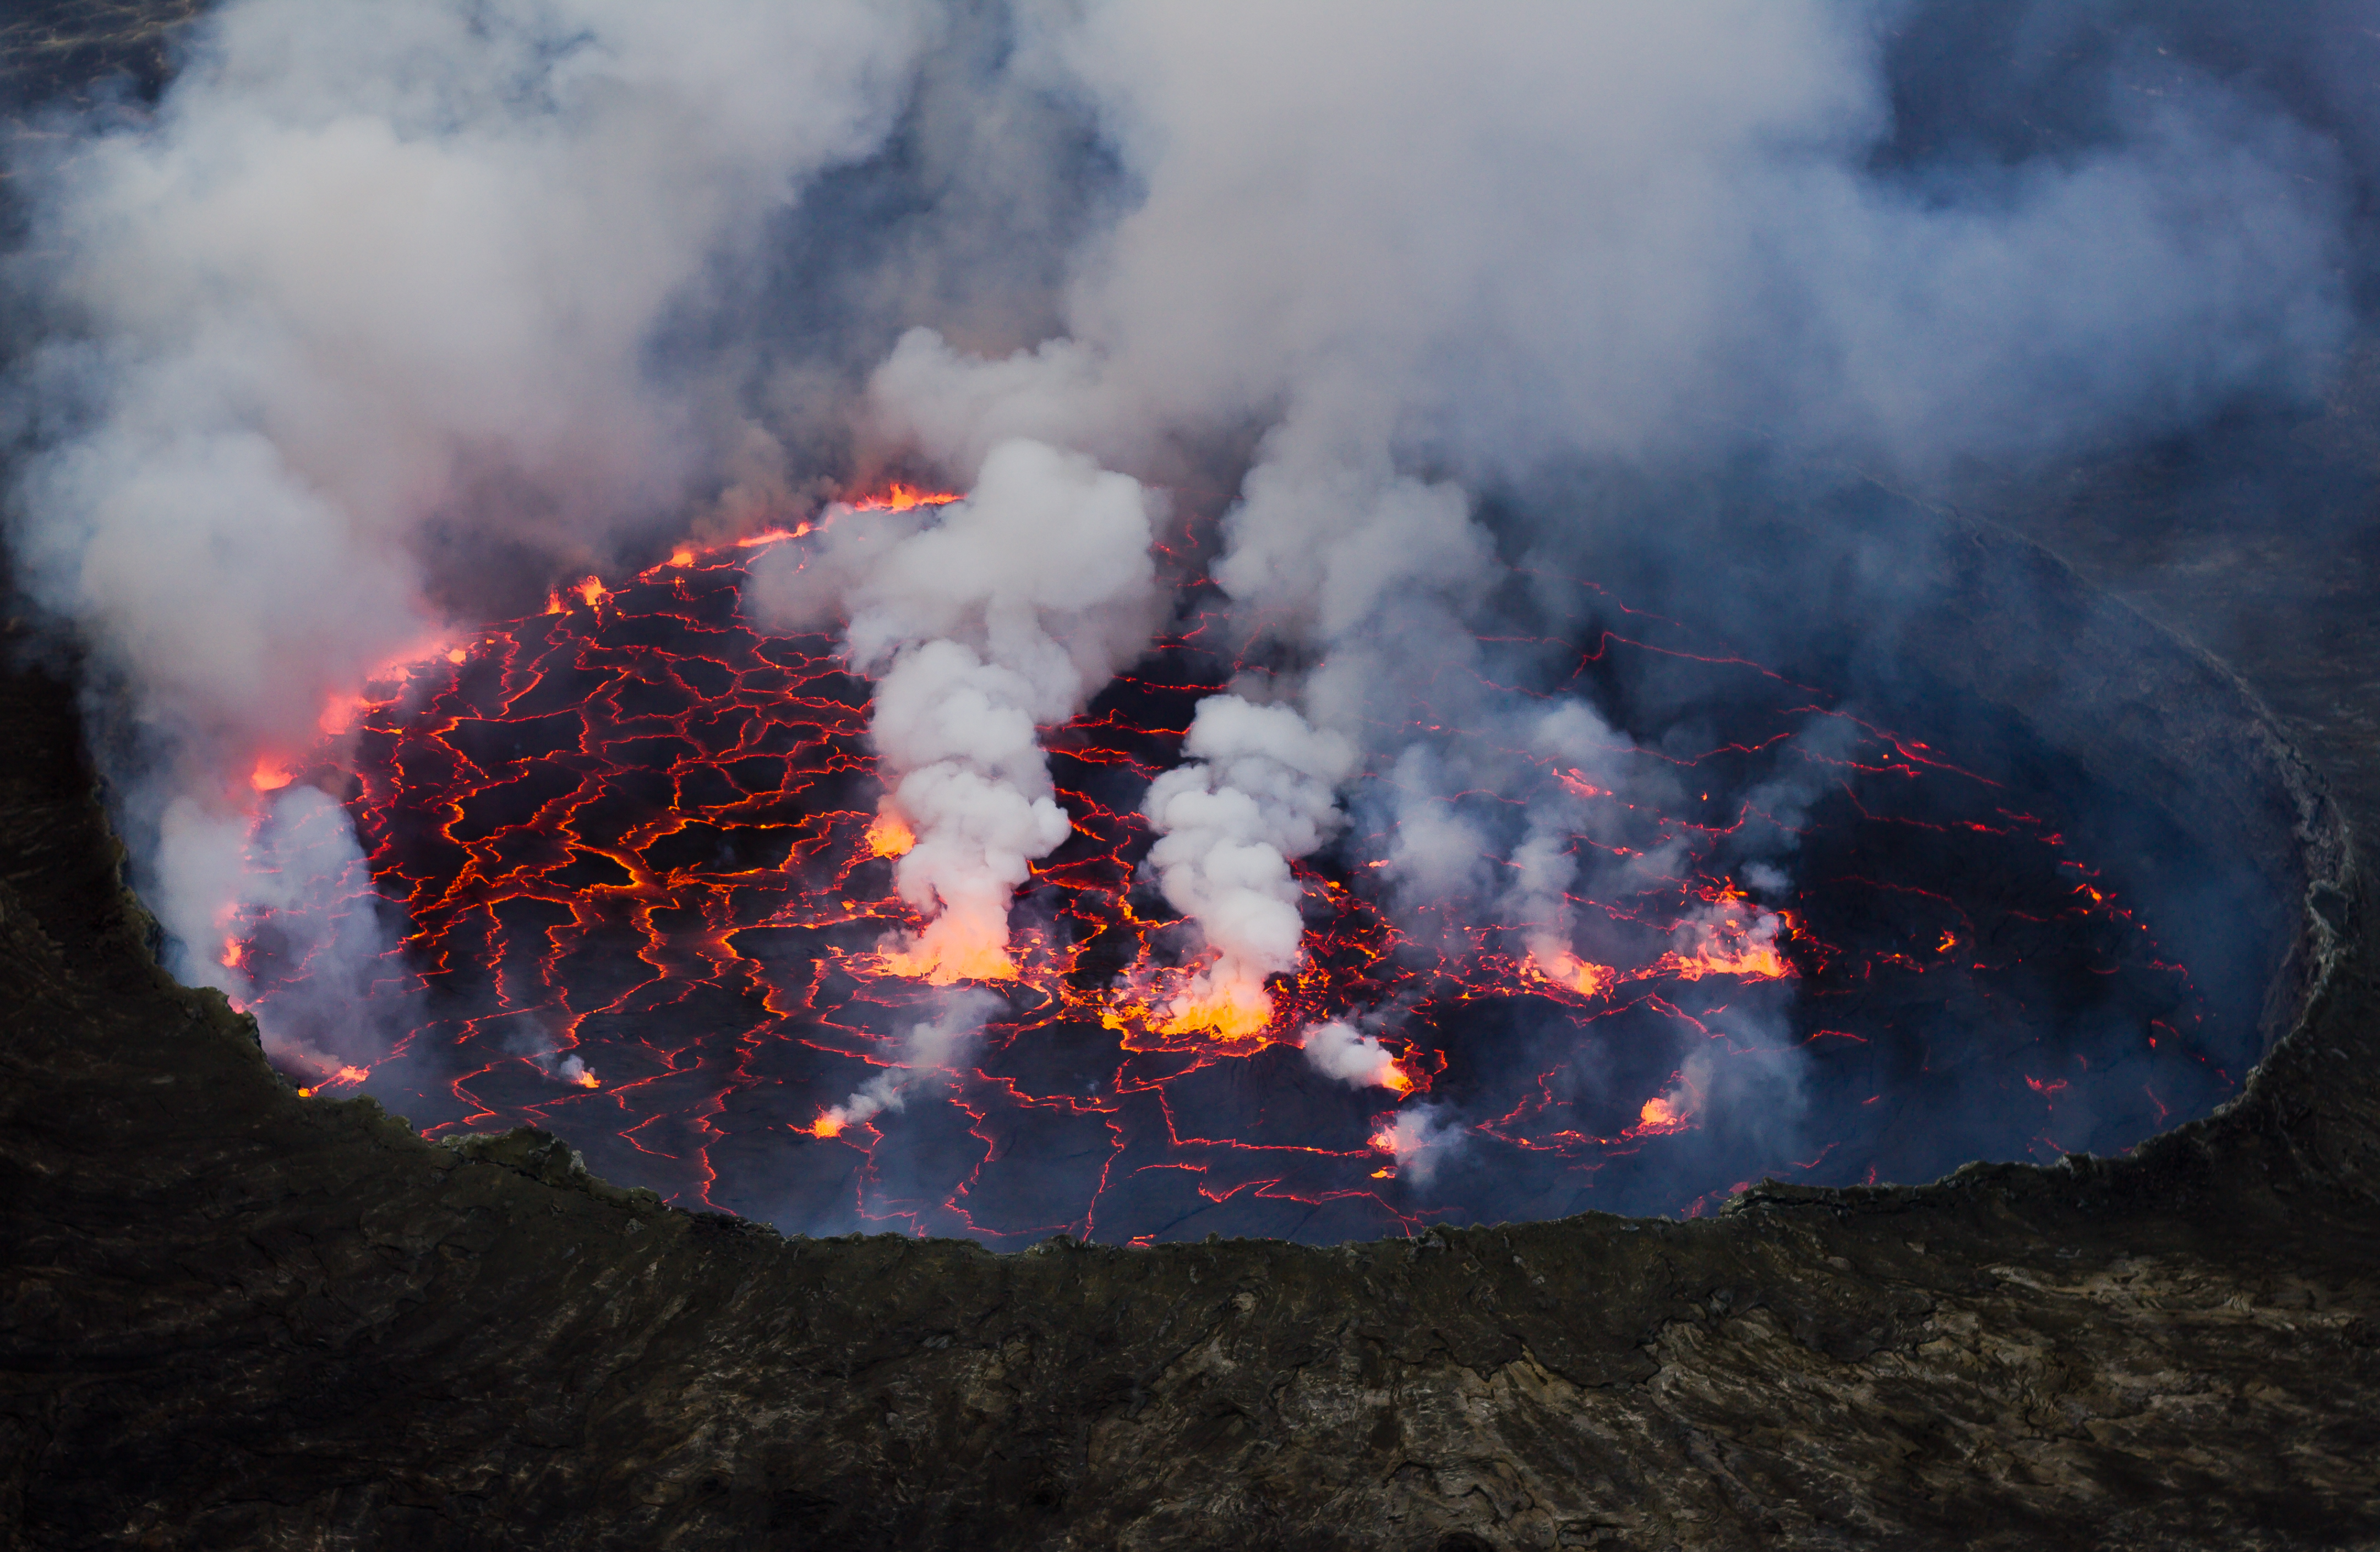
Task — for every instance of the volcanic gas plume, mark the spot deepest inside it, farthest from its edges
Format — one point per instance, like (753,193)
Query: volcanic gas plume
(652,862)
(1084,680)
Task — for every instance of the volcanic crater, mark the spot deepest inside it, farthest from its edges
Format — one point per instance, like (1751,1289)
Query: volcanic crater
(632,852)
(1684,1358)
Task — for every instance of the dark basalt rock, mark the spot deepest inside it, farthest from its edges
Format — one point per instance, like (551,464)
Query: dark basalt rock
(235,1317)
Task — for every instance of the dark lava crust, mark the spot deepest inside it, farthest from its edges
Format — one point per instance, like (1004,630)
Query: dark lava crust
(234,1318)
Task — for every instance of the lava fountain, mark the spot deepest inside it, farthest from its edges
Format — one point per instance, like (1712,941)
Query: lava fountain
(641,861)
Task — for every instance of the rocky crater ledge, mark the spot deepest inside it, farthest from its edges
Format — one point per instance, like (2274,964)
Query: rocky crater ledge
(237,1318)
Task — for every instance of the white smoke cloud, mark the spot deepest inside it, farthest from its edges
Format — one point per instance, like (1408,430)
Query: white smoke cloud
(299,862)
(1749,1097)
(1340,1050)
(1000,612)
(1763,877)
(926,1048)
(1429,255)
(1585,758)
(365,259)
(958,407)
(1610,231)
(1257,792)
(1408,241)
(374,291)
(380,290)
(1422,1138)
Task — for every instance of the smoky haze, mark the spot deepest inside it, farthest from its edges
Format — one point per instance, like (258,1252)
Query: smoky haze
(379,322)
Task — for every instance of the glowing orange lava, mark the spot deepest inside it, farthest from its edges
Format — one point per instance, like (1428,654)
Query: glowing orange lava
(772,536)
(349,1075)
(643,830)
(956,946)
(1580,784)
(901,498)
(340,712)
(889,834)
(1663,1114)
(1737,939)
(1758,962)
(1229,1005)
(1566,969)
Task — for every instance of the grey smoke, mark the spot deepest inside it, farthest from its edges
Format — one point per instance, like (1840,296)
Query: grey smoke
(1254,794)
(370,276)
(981,622)
(1337,1049)
(1433,255)
(377,293)
(927,1047)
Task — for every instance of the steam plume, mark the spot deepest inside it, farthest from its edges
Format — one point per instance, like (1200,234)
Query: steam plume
(926,1048)
(1003,613)
(364,306)
(1257,793)
(1582,235)
(1340,1050)
(385,316)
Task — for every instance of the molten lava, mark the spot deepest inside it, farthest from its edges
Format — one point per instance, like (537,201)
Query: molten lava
(1658,1116)
(958,945)
(898,497)
(889,834)
(1220,1001)
(633,830)
(1567,970)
